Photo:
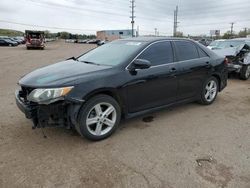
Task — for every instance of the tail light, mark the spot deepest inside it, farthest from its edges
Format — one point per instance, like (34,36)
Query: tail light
(226,61)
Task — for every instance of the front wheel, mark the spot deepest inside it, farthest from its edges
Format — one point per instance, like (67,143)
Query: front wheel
(245,72)
(209,91)
(98,118)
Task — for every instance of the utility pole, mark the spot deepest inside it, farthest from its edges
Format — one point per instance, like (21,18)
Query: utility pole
(132,15)
(137,34)
(245,31)
(155,31)
(232,27)
(175,21)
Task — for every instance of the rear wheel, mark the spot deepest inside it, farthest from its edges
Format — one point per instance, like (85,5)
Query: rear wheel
(245,72)
(98,118)
(209,91)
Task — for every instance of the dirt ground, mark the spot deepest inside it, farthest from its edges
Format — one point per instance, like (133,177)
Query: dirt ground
(190,146)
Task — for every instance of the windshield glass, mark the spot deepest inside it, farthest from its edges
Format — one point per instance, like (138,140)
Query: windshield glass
(231,43)
(113,53)
(215,43)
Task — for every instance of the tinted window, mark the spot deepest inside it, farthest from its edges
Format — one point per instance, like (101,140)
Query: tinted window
(158,53)
(186,50)
(202,53)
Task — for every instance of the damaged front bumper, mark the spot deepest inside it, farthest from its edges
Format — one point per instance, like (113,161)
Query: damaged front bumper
(59,114)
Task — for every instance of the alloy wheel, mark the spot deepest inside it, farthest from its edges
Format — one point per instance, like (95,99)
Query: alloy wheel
(248,71)
(101,119)
(211,90)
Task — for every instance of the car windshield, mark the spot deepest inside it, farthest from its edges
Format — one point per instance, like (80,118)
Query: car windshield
(230,43)
(8,40)
(215,43)
(112,54)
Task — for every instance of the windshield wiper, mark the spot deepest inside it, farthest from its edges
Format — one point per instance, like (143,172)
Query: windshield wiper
(89,62)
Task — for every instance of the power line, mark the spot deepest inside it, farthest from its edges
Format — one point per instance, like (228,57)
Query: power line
(211,23)
(46,27)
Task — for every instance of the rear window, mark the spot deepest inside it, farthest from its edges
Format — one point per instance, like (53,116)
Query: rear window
(202,53)
(186,50)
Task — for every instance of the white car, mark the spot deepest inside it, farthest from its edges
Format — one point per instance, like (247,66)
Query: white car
(215,43)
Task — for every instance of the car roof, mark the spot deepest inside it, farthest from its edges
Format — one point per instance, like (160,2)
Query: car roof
(153,39)
(220,40)
(241,39)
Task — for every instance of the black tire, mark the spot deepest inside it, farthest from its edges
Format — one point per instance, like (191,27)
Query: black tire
(81,126)
(245,72)
(203,100)
(28,48)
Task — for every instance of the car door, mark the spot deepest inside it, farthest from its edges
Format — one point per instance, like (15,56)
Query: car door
(157,85)
(2,43)
(194,65)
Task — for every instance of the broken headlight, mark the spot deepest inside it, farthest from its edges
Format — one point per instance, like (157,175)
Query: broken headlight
(49,95)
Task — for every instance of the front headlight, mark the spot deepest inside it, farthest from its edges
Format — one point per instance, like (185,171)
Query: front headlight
(46,96)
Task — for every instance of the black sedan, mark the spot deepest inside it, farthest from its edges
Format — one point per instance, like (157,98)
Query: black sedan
(121,79)
(7,42)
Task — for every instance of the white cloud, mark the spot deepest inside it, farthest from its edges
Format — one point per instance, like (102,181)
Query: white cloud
(195,16)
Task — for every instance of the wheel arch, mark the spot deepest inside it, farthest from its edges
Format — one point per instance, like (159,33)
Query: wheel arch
(217,76)
(110,92)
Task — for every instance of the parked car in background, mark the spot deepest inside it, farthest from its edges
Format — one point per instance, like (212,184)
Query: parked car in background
(123,78)
(35,39)
(7,42)
(205,41)
(70,40)
(101,42)
(93,41)
(215,43)
(82,41)
(237,52)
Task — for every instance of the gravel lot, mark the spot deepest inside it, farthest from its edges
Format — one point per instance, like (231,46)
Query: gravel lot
(162,153)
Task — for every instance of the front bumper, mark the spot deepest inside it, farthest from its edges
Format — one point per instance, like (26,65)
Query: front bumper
(28,110)
(59,114)
(35,45)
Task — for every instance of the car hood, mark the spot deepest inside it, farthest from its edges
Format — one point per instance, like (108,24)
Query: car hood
(60,74)
(231,51)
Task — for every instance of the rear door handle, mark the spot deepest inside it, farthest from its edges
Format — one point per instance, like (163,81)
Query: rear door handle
(208,64)
(173,70)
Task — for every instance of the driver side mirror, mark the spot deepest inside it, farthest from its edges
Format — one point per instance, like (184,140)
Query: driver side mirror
(140,64)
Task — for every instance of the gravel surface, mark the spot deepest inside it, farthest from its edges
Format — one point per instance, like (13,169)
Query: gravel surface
(188,146)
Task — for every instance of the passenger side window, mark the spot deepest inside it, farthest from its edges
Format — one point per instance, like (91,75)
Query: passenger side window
(202,53)
(158,53)
(186,50)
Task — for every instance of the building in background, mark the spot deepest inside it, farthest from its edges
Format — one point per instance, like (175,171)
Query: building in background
(110,35)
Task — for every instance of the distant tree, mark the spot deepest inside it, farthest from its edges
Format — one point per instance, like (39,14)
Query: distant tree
(244,33)
(64,35)
(227,35)
(47,34)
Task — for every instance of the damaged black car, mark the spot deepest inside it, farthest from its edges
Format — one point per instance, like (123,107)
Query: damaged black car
(121,79)
(237,53)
